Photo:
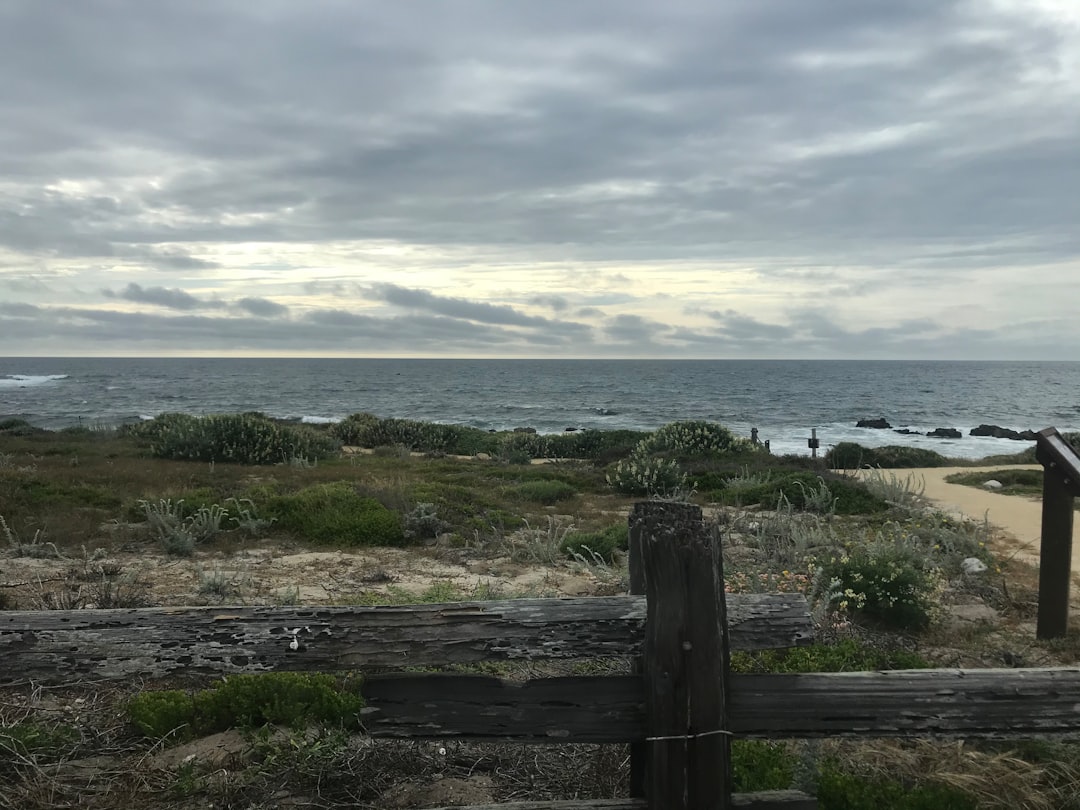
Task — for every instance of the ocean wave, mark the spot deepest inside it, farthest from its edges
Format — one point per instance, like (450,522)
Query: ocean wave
(29,380)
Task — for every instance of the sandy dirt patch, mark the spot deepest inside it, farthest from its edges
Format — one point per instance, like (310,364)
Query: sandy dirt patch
(1018,517)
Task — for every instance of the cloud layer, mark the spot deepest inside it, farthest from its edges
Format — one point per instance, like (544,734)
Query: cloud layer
(616,178)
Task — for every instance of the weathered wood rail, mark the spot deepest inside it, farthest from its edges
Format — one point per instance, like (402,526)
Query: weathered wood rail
(57,647)
(1061,484)
(679,710)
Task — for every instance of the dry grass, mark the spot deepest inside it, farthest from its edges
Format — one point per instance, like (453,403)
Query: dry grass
(997,776)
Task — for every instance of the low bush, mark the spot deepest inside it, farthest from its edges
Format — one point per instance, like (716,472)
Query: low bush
(422,522)
(547,493)
(292,699)
(604,445)
(18,427)
(852,456)
(603,543)
(30,743)
(837,790)
(642,474)
(808,492)
(1015,480)
(246,438)
(368,430)
(847,655)
(760,765)
(522,446)
(336,514)
(695,439)
(180,530)
(889,584)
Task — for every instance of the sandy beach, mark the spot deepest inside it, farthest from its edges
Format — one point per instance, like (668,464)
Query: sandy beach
(1019,517)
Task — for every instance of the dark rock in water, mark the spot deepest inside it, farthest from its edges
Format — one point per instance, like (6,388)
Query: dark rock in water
(945,433)
(570,429)
(907,432)
(524,430)
(876,424)
(1003,433)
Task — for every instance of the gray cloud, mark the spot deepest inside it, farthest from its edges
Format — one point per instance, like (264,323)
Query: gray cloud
(634,329)
(161,297)
(744,327)
(904,145)
(455,307)
(262,307)
(557,303)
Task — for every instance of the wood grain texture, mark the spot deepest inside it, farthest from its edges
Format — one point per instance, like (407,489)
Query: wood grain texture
(66,646)
(684,661)
(908,703)
(905,703)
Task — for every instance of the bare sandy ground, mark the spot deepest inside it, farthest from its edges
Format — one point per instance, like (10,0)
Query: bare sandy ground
(1020,518)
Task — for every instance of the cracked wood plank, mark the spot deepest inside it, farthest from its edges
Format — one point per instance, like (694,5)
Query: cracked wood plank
(65,646)
(611,709)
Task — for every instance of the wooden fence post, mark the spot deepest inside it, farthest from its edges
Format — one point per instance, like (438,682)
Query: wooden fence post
(688,750)
(1061,479)
(637,588)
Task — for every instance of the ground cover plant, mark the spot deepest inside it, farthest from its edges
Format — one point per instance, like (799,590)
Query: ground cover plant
(82,510)
(853,456)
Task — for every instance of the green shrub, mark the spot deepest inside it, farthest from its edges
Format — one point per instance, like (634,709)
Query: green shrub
(18,427)
(595,444)
(837,790)
(422,522)
(695,439)
(547,493)
(180,530)
(808,492)
(336,514)
(852,456)
(883,582)
(355,429)
(29,739)
(847,655)
(292,699)
(522,444)
(641,474)
(246,438)
(603,543)
(38,492)
(465,509)
(368,430)
(157,714)
(760,765)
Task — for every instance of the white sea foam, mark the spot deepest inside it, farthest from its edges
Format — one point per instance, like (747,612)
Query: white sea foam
(794,440)
(319,420)
(29,380)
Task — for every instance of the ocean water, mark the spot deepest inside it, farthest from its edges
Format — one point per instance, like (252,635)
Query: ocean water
(783,399)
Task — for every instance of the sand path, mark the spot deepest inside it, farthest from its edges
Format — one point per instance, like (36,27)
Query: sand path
(1018,516)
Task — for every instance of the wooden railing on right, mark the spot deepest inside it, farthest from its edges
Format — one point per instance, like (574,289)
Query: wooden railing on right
(678,711)
(1061,484)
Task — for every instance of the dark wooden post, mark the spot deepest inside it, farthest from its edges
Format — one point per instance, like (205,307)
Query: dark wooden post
(685,662)
(1061,482)
(637,588)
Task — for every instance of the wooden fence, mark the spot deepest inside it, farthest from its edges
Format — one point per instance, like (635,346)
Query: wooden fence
(1061,484)
(679,710)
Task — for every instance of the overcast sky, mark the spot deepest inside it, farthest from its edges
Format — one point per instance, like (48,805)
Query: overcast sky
(623,178)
